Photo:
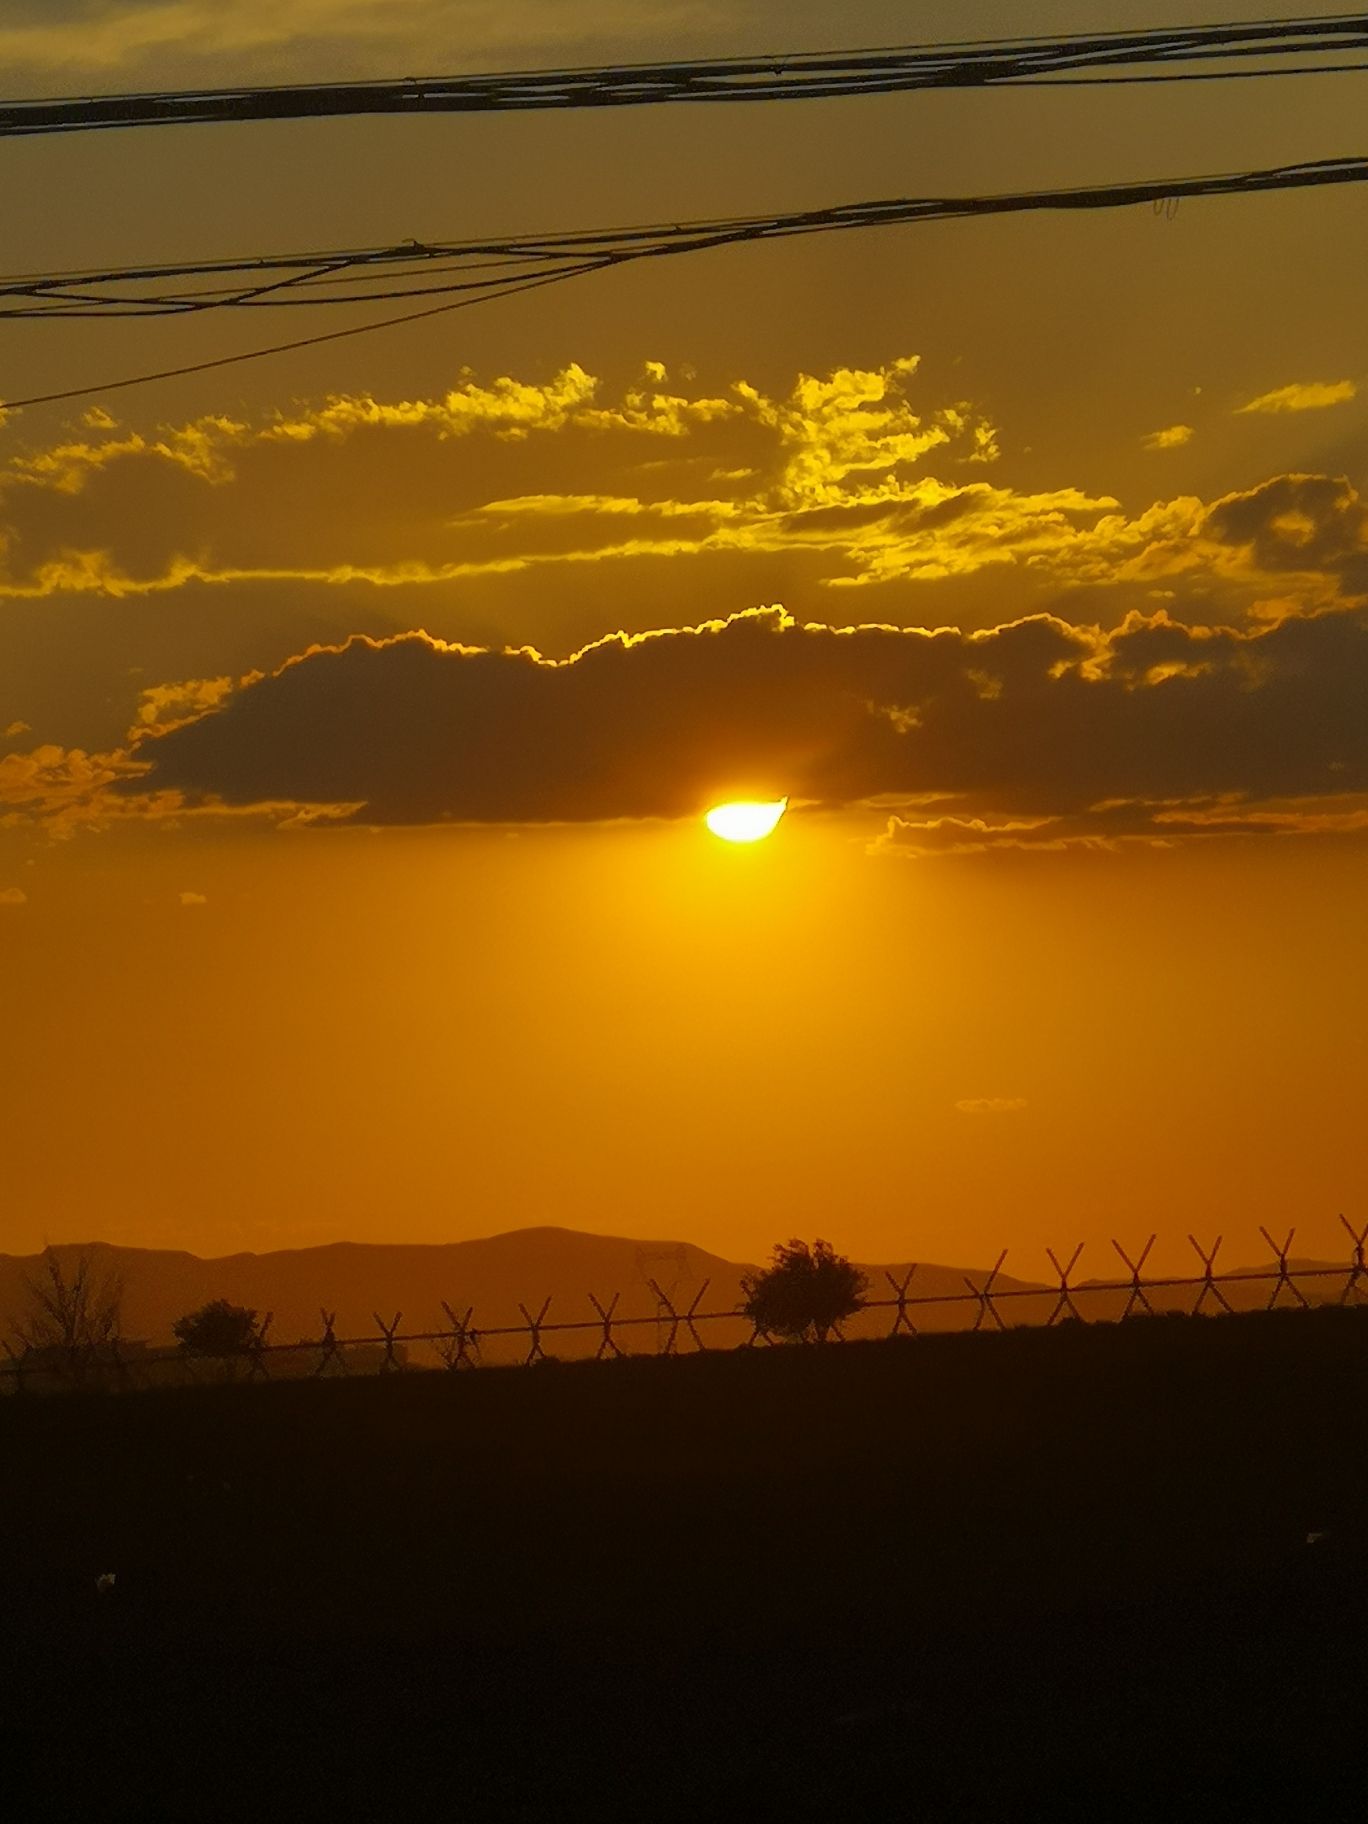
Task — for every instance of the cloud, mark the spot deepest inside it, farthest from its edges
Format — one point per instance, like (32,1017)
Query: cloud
(192,899)
(164,705)
(1172,437)
(991,1105)
(1303,396)
(13,896)
(850,479)
(51,784)
(288,35)
(1312,525)
(64,790)
(1034,734)
(921,839)
(16,729)
(451,487)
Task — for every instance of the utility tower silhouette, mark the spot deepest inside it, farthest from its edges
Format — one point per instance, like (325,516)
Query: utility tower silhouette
(663,1270)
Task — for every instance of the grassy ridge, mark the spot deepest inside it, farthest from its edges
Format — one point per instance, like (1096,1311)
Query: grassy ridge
(817,1567)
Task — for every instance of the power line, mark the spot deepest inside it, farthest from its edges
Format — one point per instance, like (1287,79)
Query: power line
(525,262)
(813,75)
(488,265)
(275,348)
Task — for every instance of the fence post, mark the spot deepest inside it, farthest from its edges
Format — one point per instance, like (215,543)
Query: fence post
(388,1364)
(759,1335)
(1208,1261)
(257,1349)
(901,1321)
(691,1313)
(607,1344)
(1065,1300)
(1284,1277)
(329,1350)
(984,1295)
(1357,1269)
(1138,1295)
(535,1351)
(663,1303)
(464,1336)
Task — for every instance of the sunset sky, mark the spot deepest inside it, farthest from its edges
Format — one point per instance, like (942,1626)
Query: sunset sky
(359,706)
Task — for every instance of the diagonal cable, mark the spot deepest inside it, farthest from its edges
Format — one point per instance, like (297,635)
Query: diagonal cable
(1280,46)
(540,260)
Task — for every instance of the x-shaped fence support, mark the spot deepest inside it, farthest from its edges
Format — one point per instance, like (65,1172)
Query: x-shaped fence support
(389,1331)
(464,1346)
(1208,1261)
(901,1321)
(1284,1277)
(676,1318)
(1064,1303)
(984,1295)
(256,1349)
(1358,1271)
(1138,1295)
(330,1350)
(535,1352)
(607,1345)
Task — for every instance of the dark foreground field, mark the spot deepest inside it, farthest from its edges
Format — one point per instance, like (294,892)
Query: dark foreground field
(957,1577)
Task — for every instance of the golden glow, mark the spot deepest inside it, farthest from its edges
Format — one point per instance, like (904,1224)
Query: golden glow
(745,821)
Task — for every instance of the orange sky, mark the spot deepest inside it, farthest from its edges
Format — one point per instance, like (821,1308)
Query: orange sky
(419,936)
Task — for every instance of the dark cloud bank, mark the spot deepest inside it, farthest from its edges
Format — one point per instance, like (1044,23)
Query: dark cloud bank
(1036,718)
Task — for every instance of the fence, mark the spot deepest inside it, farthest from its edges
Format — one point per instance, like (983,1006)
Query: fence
(461,1345)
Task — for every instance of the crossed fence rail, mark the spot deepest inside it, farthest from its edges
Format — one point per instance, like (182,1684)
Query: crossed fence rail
(461,1345)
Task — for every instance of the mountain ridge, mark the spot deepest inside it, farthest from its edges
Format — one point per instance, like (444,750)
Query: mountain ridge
(502,1279)
(495,1274)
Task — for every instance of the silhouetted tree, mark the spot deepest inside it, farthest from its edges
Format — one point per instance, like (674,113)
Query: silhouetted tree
(805,1293)
(217,1328)
(71,1308)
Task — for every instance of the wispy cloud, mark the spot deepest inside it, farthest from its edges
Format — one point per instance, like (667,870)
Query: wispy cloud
(1303,396)
(991,1105)
(859,478)
(1172,437)
(118,35)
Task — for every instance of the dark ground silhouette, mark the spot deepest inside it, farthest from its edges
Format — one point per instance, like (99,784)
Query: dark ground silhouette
(1101,1570)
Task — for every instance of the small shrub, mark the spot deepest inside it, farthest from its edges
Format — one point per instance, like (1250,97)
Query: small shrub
(806,1292)
(217,1328)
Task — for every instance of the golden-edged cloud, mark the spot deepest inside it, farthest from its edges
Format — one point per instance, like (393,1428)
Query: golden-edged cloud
(148,567)
(851,479)
(1036,734)
(1172,437)
(451,486)
(1303,396)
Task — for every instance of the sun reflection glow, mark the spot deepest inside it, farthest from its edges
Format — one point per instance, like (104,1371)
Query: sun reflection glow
(745,821)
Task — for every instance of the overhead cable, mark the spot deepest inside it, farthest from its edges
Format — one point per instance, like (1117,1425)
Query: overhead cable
(1270,47)
(467,272)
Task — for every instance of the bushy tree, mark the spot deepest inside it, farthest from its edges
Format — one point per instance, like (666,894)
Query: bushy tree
(805,1293)
(217,1328)
(72,1306)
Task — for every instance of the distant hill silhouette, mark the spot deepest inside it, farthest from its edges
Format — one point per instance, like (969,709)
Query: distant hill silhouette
(498,1272)
(494,1275)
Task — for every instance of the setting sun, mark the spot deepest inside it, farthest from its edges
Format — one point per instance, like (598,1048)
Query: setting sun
(745,821)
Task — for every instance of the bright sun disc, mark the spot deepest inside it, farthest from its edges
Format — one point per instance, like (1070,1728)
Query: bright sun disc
(746,821)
